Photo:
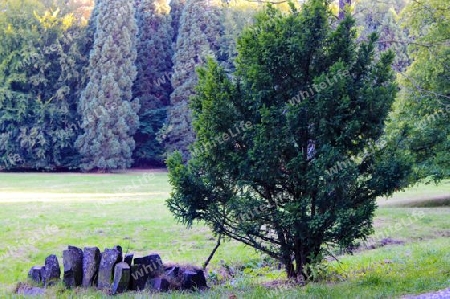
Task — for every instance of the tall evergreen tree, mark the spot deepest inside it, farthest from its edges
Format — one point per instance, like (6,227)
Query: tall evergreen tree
(235,17)
(176,10)
(198,38)
(109,114)
(152,86)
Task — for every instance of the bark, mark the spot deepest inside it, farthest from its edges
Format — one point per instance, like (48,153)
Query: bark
(212,253)
(290,271)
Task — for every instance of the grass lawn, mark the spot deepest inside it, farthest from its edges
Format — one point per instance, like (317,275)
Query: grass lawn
(41,214)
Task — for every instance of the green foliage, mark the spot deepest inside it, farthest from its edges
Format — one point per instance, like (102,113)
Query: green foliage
(41,76)
(382,17)
(305,97)
(109,114)
(419,122)
(198,37)
(152,85)
(317,269)
(234,18)
(176,9)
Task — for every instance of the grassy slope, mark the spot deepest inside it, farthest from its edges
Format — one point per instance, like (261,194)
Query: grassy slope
(41,213)
(426,196)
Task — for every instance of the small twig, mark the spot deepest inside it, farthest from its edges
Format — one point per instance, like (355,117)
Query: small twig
(333,256)
(212,253)
(416,86)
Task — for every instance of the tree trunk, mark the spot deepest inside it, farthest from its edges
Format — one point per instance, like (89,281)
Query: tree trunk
(294,269)
(290,272)
(300,261)
(300,277)
(342,5)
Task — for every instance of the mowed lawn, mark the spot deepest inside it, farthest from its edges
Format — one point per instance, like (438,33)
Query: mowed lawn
(42,213)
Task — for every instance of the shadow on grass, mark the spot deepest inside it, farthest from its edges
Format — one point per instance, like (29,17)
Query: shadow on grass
(433,202)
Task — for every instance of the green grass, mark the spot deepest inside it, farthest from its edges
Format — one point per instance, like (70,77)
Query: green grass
(41,214)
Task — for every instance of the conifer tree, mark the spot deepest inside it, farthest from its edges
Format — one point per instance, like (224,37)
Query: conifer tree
(41,75)
(305,96)
(152,86)
(109,114)
(198,37)
(235,17)
(176,9)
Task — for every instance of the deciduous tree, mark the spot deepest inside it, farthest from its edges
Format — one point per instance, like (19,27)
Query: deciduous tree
(421,114)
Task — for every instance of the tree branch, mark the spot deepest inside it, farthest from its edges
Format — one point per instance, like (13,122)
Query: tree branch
(416,86)
(212,253)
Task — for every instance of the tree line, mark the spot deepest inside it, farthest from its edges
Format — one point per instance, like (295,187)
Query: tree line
(105,85)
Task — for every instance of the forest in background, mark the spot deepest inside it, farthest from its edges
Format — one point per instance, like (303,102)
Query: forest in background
(106,85)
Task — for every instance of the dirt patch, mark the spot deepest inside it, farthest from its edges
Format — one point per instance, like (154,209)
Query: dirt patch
(439,294)
(374,244)
(390,241)
(442,233)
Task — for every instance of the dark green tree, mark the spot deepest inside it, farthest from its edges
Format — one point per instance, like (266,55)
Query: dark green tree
(176,9)
(305,98)
(109,114)
(41,75)
(235,17)
(198,37)
(152,86)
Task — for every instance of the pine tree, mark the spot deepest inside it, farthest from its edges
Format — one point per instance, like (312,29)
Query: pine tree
(198,38)
(152,86)
(109,115)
